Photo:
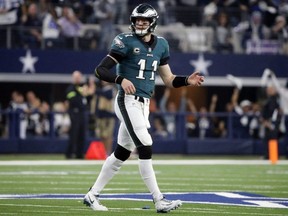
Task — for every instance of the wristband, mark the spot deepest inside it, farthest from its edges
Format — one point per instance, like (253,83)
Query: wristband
(180,81)
(119,79)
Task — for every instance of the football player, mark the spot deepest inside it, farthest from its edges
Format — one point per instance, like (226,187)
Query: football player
(137,55)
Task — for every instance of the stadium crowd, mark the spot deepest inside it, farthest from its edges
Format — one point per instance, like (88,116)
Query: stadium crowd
(244,24)
(240,119)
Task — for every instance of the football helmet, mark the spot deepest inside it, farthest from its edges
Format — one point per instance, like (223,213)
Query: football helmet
(144,11)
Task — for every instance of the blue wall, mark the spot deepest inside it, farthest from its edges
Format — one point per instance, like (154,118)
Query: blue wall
(64,62)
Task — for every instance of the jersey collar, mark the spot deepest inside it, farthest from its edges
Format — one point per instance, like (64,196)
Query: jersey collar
(151,44)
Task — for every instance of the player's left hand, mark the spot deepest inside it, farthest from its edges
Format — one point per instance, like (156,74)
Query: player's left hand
(195,79)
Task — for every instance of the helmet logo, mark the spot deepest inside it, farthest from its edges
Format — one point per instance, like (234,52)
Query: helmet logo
(144,11)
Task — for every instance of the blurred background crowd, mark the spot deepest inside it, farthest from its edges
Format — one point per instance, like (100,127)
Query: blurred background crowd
(237,119)
(226,26)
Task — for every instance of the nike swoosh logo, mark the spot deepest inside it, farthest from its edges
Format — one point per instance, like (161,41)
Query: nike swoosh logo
(92,201)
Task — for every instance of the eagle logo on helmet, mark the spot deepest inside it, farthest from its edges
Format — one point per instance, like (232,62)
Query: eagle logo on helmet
(144,11)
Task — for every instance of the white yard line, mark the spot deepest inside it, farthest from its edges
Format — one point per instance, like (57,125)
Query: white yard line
(135,162)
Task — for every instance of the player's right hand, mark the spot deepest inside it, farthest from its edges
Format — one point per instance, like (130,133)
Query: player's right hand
(128,86)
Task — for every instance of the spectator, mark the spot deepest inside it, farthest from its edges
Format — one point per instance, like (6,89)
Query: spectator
(76,95)
(18,104)
(70,26)
(223,36)
(121,9)
(104,12)
(62,121)
(9,11)
(204,123)
(51,29)
(169,109)
(166,11)
(242,114)
(43,8)
(269,77)
(283,95)
(8,14)
(220,130)
(283,8)
(255,31)
(105,117)
(210,10)
(271,118)
(33,101)
(159,128)
(87,12)
(236,10)
(38,120)
(34,105)
(269,10)
(32,35)
(279,32)
(255,127)
(43,124)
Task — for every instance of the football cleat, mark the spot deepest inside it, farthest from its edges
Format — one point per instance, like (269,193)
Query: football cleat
(93,202)
(163,205)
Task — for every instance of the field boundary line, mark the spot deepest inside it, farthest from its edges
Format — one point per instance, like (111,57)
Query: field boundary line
(135,162)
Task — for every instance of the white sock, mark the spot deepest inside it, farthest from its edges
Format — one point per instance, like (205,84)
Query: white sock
(110,167)
(148,176)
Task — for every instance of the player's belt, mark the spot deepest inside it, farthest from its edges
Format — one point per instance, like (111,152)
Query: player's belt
(138,98)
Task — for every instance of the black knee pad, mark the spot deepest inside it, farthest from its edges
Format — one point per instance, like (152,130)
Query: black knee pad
(145,152)
(121,153)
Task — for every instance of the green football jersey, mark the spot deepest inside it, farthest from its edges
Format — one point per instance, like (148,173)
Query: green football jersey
(141,61)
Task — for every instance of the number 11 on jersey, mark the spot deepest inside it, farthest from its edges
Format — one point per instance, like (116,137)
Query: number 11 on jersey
(142,64)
